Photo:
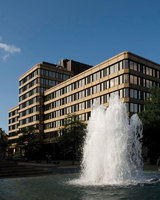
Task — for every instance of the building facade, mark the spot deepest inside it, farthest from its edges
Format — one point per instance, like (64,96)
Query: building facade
(32,85)
(128,75)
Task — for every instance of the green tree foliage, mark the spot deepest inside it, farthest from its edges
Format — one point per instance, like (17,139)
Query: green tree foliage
(30,143)
(151,125)
(71,139)
(3,144)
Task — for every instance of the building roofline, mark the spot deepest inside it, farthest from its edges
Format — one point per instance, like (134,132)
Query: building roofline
(80,63)
(49,64)
(140,57)
(13,108)
(26,73)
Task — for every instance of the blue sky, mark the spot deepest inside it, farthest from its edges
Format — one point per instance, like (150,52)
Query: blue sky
(88,31)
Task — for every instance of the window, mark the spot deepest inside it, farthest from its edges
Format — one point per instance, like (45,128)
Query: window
(88,91)
(81,82)
(126,78)
(149,71)
(88,103)
(133,65)
(112,69)
(94,89)
(133,107)
(148,83)
(105,72)
(94,77)
(112,82)
(98,75)
(125,64)
(116,81)
(105,98)
(120,65)
(121,79)
(126,92)
(88,80)
(139,68)
(121,93)
(133,79)
(105,85)
(144,69)
(133,94)
(98,88)
(158,74)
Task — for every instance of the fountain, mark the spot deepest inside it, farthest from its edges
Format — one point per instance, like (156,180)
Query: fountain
(111,165)
(112,148)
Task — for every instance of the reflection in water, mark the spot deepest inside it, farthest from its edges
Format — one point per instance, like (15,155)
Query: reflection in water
(56,187)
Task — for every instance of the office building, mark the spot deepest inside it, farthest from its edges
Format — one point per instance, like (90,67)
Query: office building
(127,74)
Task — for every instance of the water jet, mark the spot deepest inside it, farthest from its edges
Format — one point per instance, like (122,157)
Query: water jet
(112,148)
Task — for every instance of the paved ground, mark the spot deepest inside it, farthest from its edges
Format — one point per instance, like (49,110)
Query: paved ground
(10,169)
(63,167)
(42,168)
(58,167)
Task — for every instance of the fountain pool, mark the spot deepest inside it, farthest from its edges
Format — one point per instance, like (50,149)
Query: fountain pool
(57,187)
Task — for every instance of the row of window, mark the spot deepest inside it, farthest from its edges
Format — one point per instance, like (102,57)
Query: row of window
(13,120)
(28,94)
(29,120)
(130,107)
(16,132)
(52,74)
(15,126)
(29,102)
(29,85)
(27,78)
(137,94)
(124,78)
(77,96)
(29,111)
(15,112)
(126,92)
(13,134)
(123,93)
(144,69)
(32,92)
(48,82)
(136,67)
(143,82)
(58,123)
(134,107)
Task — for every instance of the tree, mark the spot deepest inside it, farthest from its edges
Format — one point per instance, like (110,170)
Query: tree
(3,144)
(72,136)
(30,143)
(151,125)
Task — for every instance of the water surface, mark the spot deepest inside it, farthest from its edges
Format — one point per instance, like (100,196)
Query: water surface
(57,187)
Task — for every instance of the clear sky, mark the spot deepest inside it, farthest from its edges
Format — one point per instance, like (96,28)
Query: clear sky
(89,31)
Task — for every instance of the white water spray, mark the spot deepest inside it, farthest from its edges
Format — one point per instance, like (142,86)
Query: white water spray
(112,148)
